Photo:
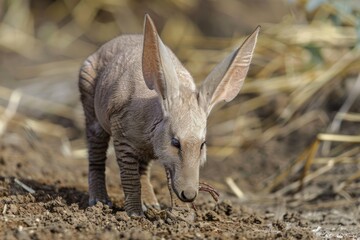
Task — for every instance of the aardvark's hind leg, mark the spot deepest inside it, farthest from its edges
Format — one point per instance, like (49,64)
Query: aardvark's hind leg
(97,138)
(97,147)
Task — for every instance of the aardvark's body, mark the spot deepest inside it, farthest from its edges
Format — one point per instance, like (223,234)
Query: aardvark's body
(136,90)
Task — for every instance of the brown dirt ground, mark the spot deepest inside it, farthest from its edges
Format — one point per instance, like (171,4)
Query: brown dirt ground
(58,208)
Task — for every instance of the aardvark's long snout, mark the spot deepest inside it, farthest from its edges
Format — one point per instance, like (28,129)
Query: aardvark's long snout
(185,187)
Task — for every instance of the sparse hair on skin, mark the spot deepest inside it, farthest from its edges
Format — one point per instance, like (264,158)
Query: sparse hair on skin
(136,91)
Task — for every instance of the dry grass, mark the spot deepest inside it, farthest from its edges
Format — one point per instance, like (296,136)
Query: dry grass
(298,62)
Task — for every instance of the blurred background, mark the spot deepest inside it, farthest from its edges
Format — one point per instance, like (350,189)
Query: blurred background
(296,117)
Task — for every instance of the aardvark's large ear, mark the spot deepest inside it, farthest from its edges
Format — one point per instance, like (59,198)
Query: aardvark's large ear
(157,66)
(226,79)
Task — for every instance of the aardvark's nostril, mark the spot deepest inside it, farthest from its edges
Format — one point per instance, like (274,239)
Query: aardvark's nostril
(183,195)
(188,196)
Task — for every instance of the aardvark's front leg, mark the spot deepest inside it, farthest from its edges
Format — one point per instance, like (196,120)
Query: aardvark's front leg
(147,192)
(130,178)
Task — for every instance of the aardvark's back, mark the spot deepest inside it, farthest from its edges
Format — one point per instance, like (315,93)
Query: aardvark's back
(116,72)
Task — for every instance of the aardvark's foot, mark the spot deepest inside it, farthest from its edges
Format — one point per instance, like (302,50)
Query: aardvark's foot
(105,200)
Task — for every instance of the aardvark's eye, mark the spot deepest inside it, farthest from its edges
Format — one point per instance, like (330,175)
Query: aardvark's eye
(202,145)
(176,143)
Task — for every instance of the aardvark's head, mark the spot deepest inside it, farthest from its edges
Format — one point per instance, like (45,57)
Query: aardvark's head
(180,143)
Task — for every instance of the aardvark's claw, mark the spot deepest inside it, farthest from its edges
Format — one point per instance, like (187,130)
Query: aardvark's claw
(207,188)
(204,187)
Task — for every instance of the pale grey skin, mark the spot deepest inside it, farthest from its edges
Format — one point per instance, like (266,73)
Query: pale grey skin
(136,91)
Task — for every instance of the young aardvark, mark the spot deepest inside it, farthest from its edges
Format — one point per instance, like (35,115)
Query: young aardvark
(136,90)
